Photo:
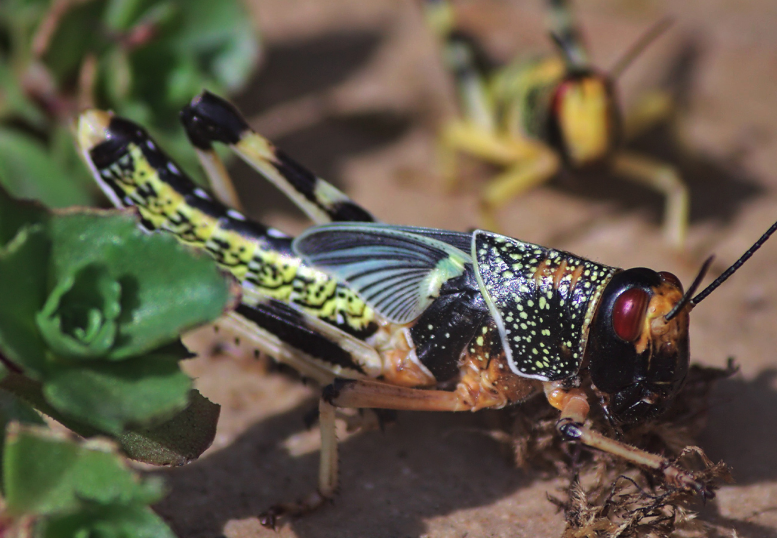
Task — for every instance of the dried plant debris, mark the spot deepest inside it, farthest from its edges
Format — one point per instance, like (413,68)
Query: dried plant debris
(632,505)
(607,497)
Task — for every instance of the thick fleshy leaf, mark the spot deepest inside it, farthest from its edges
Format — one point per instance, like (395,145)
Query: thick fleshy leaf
(105,522)
(79,319)
(165,289)
(48,473)
(16,214)
(12,409)
(112,395)
(177,441)
(27,170)
(22,293)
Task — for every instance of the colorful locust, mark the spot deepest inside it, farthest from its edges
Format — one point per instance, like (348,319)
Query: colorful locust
(535,116)
(398,317)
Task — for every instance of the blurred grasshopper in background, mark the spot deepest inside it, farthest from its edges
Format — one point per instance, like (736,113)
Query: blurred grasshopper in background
(398,317)
(535,116)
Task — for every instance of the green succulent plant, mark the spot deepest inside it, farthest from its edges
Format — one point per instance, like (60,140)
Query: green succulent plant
(91,309)
(144,59)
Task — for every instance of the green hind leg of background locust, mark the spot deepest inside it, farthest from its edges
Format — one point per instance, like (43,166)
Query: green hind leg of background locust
(493,103)
(133,180)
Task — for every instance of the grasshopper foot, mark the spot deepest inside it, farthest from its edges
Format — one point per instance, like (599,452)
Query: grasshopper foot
(269,518)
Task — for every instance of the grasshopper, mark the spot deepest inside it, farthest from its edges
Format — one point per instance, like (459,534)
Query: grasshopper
(536,116)
(397,317)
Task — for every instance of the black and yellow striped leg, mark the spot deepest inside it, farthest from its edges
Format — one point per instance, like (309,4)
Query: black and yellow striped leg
(208,119)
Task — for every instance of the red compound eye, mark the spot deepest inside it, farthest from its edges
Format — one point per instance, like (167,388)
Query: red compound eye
(628,312)
(669,277)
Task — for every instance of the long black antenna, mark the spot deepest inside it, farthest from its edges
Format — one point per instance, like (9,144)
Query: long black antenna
(687,295)
(737,264)
(652,33)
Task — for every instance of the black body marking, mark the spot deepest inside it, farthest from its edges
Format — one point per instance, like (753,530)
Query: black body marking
(209,119)
(289,326)
(449,324)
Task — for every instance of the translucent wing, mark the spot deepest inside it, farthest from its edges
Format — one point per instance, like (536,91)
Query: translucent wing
(398,271)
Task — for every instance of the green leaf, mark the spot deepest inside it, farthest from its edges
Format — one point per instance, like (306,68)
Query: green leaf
(209,44)
(221,36)
(47,473)
(65,154)
(110,396)
(17,214)
(77,34)
(79,319)
(106,522)
(14,102)
(23,264)
(27,170)
(120,15)
(165,289)
(12,409)
(177,441)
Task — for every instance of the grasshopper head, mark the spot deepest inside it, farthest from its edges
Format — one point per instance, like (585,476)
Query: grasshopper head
(638,353)
(637,348)
(584,120)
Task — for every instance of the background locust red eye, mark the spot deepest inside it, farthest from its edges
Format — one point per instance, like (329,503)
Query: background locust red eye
(628,313)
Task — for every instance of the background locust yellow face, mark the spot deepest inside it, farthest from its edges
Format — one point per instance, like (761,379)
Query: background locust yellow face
(584,120)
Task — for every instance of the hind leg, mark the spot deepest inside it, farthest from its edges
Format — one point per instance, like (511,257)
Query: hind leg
(208,119)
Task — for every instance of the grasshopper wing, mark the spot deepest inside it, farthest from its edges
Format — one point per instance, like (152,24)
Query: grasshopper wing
(398,271)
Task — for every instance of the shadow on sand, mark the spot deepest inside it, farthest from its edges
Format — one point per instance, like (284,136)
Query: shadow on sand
(428,465)
(301,68)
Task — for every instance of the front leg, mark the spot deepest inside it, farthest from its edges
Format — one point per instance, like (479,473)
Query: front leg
(571,426)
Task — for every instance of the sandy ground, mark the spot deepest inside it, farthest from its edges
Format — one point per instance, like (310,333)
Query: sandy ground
(353,89)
